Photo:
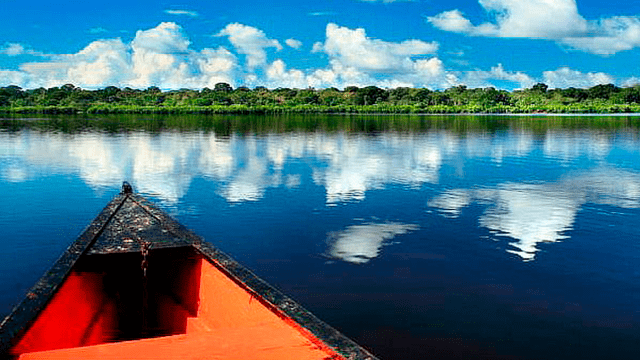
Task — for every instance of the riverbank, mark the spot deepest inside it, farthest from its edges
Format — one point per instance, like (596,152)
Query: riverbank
(223,99)
(319,109)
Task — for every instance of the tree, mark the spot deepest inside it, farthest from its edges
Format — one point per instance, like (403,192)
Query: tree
(69,87)
(602,91)
(307,97)
(370,95)
(223,87)
(399,95)
(439,98)
(491,97)
(351,89)
(420,95)
(540,87)
(153,90)
(578,94)
(632,94)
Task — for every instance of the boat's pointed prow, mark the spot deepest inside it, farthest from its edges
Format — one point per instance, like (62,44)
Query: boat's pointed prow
(139,285)
(126,188)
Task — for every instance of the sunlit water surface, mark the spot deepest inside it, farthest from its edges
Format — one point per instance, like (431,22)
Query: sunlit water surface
(446,237)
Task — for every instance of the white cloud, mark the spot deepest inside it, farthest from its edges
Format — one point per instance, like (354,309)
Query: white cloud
(251,42)
(632,81)
(159,56)
(166,38)
(162,56)
(278,76)
(12,77)
(101,62)
(453,21)
(353,48)
(360,244)
(355,59)
(612,35)
(566,78)
(296,44)
(182,12)
(15,49)
(556,20)
(550,19)
(480,78)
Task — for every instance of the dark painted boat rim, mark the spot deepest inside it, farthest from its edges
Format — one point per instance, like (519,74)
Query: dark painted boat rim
(37,298)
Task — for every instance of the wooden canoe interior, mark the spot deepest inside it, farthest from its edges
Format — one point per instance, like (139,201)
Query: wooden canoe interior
(188,307)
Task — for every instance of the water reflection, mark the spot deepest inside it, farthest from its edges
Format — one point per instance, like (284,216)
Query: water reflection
(247,162)
(165,164)
(537,213)
(529,183)
(357,164)
(359,244)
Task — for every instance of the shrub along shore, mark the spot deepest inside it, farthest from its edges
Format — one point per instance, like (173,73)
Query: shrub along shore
(223,99)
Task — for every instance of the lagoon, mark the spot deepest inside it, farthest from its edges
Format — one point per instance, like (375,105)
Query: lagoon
(416,236)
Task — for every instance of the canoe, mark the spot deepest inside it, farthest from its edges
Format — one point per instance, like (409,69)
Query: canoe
(136,284)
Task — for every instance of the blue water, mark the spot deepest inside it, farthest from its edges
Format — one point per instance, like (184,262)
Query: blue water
(446,237)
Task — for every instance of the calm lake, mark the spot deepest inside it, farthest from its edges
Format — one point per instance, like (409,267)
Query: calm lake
(510,237)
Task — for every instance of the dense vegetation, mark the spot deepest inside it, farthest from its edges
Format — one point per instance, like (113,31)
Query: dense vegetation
(223,99)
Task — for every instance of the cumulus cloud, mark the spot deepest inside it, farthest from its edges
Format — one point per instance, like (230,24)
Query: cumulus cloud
(612,35)
(356,59)
(15,49)
(160,56)
(632,81)
(278,76)
(353,48)
(296,44)
(480,78)
(556,20)
(251,42)
(565,78)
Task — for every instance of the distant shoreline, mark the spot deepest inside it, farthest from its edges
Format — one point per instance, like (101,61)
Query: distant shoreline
(347,110)
(223,99)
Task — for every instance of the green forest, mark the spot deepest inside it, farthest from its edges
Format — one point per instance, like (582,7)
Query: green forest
(224,99)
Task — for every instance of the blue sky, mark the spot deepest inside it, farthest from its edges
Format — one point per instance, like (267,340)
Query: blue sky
(507,44)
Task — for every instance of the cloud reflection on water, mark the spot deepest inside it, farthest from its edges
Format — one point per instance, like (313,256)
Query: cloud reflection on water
(359,244)
(246,166)
(347,166)
(537,213)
